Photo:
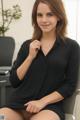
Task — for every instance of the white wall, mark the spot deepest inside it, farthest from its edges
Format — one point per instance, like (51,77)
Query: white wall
(71,10)
(78,21)
(22,29)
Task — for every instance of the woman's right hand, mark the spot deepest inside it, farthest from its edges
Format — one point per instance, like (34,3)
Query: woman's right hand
(33,48)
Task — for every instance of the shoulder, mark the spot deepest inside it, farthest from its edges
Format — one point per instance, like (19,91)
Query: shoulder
(73,48)
(26,43)
(24,49)
(71,43)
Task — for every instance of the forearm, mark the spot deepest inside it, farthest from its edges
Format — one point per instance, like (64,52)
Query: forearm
(52,98)
(22,70)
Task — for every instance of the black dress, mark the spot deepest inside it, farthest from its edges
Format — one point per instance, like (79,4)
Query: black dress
(57,71)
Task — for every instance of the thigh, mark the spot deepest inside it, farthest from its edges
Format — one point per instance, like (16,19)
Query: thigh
(11,114)
(45,115)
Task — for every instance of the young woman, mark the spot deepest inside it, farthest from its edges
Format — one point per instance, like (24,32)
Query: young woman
(46,69)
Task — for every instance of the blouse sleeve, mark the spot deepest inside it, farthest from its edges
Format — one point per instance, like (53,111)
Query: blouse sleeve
(22,54)
(72,71)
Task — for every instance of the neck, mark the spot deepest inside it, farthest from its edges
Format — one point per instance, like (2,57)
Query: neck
(49,36)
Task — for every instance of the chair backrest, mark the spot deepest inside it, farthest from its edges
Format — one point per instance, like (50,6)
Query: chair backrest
(7,46)
(69,103)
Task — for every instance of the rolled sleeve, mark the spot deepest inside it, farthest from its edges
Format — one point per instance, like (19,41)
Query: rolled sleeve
(72,71)
(22,54)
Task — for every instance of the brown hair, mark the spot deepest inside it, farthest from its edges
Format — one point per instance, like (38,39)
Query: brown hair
(57,8)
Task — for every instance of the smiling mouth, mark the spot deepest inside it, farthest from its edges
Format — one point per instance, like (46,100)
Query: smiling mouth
(45,26)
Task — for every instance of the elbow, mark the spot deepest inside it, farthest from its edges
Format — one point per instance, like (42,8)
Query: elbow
(14,80)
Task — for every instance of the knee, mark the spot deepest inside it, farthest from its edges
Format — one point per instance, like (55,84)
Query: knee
(45,115)
(10,114)
(2,110)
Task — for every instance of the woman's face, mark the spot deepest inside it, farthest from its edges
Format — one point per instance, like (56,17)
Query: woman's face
(46,19)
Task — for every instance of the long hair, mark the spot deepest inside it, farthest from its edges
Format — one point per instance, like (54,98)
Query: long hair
(57,8)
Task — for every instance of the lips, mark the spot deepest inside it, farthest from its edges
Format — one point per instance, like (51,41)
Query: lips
(44,25)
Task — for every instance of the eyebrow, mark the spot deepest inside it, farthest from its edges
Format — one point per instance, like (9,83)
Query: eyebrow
(46,13)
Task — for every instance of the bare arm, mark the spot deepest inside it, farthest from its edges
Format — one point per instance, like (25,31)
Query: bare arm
(52,98)
(21,71)
(36,105)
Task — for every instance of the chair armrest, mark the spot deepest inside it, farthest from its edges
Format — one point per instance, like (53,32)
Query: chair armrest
(78,91)
(4,72)
(70,102)
(2,82)
(76,111)
(69,117)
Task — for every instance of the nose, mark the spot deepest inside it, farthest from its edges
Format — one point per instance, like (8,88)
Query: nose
(44,19)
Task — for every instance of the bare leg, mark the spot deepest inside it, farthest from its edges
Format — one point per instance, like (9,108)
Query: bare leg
(11,114)
(45,115)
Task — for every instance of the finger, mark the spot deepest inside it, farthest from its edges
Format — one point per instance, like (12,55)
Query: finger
(26,104)
(35,110)
(37,42)
(37,48)
(31,109)
(28,108)
(37,45)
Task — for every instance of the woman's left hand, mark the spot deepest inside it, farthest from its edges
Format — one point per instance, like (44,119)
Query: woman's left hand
(34,106)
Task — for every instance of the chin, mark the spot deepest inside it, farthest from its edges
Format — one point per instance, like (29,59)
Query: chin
(46,31)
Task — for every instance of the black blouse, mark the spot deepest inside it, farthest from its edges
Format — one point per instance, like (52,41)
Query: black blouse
(57,71)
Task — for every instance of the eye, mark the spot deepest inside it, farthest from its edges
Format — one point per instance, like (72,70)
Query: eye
(39,14)
(50,14)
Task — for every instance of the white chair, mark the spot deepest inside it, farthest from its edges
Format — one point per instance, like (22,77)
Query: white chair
(72,105)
